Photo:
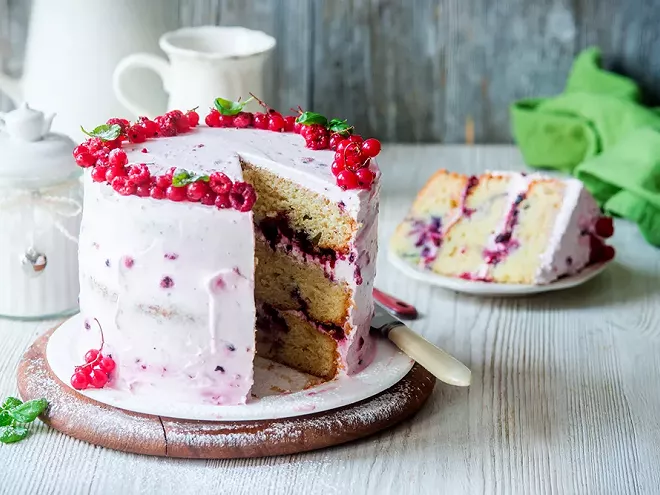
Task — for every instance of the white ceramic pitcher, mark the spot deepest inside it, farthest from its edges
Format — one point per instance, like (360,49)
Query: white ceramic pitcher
(72,50)
(204,63)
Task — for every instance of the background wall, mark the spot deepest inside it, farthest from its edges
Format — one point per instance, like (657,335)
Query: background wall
(420,70)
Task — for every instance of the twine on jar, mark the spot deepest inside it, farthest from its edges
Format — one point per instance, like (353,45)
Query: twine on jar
(49,201)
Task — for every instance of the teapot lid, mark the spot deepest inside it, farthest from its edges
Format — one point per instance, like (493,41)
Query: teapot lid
(31,155)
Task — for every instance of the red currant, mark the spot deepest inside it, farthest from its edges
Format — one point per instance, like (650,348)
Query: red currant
(113,172)
(226,121)
(370,148)
(243,120)
(91,355)
(213,118)
(222,201)
(157,192)
(149,126)
(115,143)
(297,128)
(123,185)
(182,124)
(289,123)
(117,158)
(260,121)
(98,378)
(85,159)
(81,148)
(164,181)
(335,139)
(355,138)
(347,179)
(79,381)
(85,370)
(353,159)
(208,198)
(107,364)
(176,193)
(337,166)
(174,114)
(139,174)
(365,178)
(136,134)
(98,173)
(143,190)
(220,183)
(193,118)
(196,190)
(604,227)
(275,122)
(94,144)
(122,123)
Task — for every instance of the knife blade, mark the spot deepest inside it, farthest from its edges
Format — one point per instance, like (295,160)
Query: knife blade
(440,363)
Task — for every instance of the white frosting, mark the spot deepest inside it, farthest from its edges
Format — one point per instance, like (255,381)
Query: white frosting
(177,340)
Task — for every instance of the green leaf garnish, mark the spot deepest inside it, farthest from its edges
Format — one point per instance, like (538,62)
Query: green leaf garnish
(310,118)
(339,127)
(182,178)
(11,402)
(14,414)
(12,434)
(228,107)
(28,412)
(104,132)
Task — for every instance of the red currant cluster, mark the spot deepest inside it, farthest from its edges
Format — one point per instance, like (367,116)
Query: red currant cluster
(95,372)
(352,159)
(110,164)
(271,121)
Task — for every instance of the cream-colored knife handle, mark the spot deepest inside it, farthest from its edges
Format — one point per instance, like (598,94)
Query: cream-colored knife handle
(443,366)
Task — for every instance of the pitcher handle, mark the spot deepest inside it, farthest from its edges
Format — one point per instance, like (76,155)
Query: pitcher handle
(143,61)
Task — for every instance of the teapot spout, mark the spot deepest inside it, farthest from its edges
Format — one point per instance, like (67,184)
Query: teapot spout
(12,88)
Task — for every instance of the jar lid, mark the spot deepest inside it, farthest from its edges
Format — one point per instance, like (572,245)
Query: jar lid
(31,155)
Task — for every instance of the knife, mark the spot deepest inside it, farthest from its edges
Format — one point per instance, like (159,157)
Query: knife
(396,306)
(442,365)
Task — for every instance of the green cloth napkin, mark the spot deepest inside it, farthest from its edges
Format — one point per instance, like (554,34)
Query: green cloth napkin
(598,131)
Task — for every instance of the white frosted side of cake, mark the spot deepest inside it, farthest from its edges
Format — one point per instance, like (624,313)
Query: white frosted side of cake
(171,285)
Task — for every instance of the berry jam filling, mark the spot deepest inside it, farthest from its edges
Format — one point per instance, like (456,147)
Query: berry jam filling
(429,238)
(471,184)
(504,241)
(277,230)
(269,319)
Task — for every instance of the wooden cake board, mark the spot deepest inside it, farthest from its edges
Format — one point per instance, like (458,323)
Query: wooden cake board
(91,421)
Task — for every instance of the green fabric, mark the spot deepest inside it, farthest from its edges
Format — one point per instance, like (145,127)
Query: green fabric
(598,131)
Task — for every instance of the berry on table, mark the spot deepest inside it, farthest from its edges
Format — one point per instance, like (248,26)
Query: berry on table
(347,179)
(176,193)
(370,148)
(260,121)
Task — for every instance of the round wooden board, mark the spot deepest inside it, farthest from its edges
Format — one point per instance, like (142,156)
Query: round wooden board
(86,419)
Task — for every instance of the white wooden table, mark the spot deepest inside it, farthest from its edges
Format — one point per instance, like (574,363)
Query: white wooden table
(565,395)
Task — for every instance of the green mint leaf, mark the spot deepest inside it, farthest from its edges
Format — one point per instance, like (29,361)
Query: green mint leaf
(105,132)
(28,412)
(339,127)
(309,118)
(5,418)
(228,107)
(12,434)
(11,402)
(183,177)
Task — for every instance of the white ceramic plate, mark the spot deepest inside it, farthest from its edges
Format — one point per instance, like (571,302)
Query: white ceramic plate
(279,391)
(491,289)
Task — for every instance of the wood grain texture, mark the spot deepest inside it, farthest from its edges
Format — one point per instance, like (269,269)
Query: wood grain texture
(565,395)
(422,71)
(147,434)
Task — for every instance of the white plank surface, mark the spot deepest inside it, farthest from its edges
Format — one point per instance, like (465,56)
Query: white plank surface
(565,395)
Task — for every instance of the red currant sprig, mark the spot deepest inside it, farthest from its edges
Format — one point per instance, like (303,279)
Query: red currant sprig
(352,161)
(96,371)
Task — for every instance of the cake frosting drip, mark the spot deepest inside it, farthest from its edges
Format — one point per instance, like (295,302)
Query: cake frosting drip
(172,284)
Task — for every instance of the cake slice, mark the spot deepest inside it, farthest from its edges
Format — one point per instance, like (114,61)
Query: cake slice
(503,227)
